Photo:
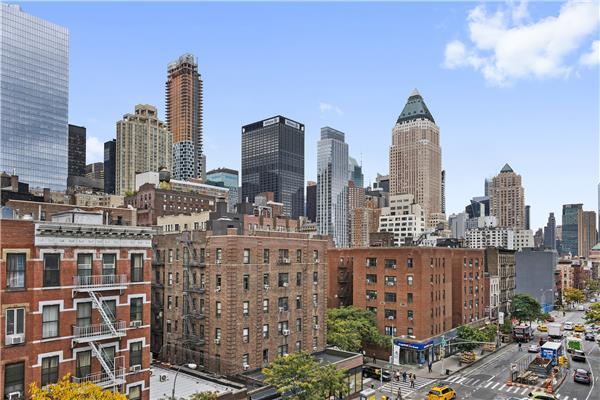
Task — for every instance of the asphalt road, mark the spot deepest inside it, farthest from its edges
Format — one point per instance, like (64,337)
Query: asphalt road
(487,380)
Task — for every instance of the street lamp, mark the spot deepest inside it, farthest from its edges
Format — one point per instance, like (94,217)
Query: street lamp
(191,366)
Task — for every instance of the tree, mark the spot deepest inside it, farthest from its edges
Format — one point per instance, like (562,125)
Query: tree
(300,377)
(466,335)
(572,295)
(592,315)
(64,389)
(350,329)
(490,332)
(525,308)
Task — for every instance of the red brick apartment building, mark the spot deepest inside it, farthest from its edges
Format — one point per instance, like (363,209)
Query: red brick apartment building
(75,299)
(233,302)
(418,294)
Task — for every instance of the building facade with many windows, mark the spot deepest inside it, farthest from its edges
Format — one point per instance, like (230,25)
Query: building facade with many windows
(75,300)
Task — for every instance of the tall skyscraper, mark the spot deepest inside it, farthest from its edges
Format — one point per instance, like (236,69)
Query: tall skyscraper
(486,187)
(143,144)
(184,110)
(527,217)
(586,232)
(570,229)
(507,199)
(332,186)
(110,160)
(444,191)
(355,173)
(550,232)
(77,147)
(416,156)
(34,99)
(311,201)
(273,161)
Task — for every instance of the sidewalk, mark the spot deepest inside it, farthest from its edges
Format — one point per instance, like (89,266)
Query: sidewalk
(437,372)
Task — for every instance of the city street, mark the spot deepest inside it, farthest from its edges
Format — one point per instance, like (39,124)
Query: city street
(487,379)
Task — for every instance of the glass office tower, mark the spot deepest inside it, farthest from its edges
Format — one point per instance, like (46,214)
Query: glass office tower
(34,97)
(273,161)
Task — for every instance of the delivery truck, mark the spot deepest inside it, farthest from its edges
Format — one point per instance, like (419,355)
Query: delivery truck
(555,330)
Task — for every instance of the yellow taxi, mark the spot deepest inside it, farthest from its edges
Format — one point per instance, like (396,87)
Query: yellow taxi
(441,393)
(542,328)
(579,328)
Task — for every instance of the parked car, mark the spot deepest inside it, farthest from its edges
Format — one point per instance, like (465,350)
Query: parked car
(541,396)
(441,393)
(578,355)
(590,337)
(580,308)
(582,376)
(374,371)
(542,328)
(568,326)
(533,348)
(550,318)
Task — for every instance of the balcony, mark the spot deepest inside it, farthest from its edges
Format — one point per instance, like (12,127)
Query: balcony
(103,379)
(100,282)
(95,332)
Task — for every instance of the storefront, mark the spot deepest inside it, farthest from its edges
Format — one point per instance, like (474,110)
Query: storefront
(410,351)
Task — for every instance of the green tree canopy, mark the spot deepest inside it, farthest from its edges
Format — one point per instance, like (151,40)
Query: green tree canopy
(525,308)
(592,287)
(351,328)
(300,377)
(572,295)
(592,315)
(466,334)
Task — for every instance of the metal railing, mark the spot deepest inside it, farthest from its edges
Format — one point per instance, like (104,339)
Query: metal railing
(102,378)
(91,331)
(99,281)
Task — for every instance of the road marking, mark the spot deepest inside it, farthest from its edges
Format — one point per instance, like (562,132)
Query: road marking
(476,382)
(461,380)
(488,384)
(566,398)
(502,387)
(525,390)
(494,387)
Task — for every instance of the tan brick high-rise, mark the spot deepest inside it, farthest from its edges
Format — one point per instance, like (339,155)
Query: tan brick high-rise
(507,199)
(416,156)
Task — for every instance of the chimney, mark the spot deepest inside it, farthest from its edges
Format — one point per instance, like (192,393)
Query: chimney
(14,183)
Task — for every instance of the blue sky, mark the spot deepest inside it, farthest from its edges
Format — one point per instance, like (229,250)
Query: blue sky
(505,82)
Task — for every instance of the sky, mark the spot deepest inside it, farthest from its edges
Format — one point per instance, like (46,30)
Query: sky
(513,82)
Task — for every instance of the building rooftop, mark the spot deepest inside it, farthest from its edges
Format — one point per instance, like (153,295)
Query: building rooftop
(415,108)
(506,168)
(187,384)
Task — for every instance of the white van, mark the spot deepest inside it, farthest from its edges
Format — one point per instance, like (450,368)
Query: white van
(568,326)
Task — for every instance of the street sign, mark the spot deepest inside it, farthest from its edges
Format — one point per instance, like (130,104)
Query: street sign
(501,318)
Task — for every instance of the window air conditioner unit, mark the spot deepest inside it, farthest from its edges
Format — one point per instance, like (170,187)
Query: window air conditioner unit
(315,283)
(16,339)
(217,341)
(266,287)
(245,366)
(317,261)
(135,368)
(162,377)
(316,327)
(14,396)
(285,284)
(314,348)
(391,317)
(218,289)
(135,324)
(285,332)
(281,309)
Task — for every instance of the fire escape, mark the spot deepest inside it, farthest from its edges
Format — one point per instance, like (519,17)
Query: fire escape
(93,335)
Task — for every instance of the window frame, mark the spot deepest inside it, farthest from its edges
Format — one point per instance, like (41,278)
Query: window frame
(14,273)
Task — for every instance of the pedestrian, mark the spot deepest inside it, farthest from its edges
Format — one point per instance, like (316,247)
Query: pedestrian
(520,345)
(404,376)
(430,366)
(397,376)
(374,360)
(412,381)
(399,394)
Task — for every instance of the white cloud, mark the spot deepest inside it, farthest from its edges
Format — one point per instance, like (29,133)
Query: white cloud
(592,57)
(506,48)
(94,150)
(326,107)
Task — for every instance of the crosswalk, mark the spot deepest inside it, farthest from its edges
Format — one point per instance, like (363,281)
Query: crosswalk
(487,384)
(392,386)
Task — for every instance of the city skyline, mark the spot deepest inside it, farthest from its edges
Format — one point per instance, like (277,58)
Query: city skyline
(322,96)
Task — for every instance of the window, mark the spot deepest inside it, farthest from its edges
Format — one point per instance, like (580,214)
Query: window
(390,280)
(245,360)
(170,256)
(137,268)
(298,302)
(265,279)
(109,264)
(283,279)
(410,315)
(246,282)
(390,330)
(110,308)
(265,356)
(245,335)
(84,314)
(51,270)
(315,298)
(135,354)
(282,350)
(219,255)
(170,279)
(299,324)
(299,256)
(409,262)
(169,302)
(371,294)
(298,278)
(371,262)
(265,331)
(282,326)
(409,280)
(246,256)
(49,370)
(50,321)
(409,298)
(316,255)
(389,263)
(282,302)
(390,297)
(135,392)
(84,267)
(389,314)
(15,323)
(266,256)
(84,363)
(218,281)
(218,309)
(409,331)
(217,333)
(246,308)
(315,277)
(14,378)
(298,346)
(136,309)
(265,306)
(15,272)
